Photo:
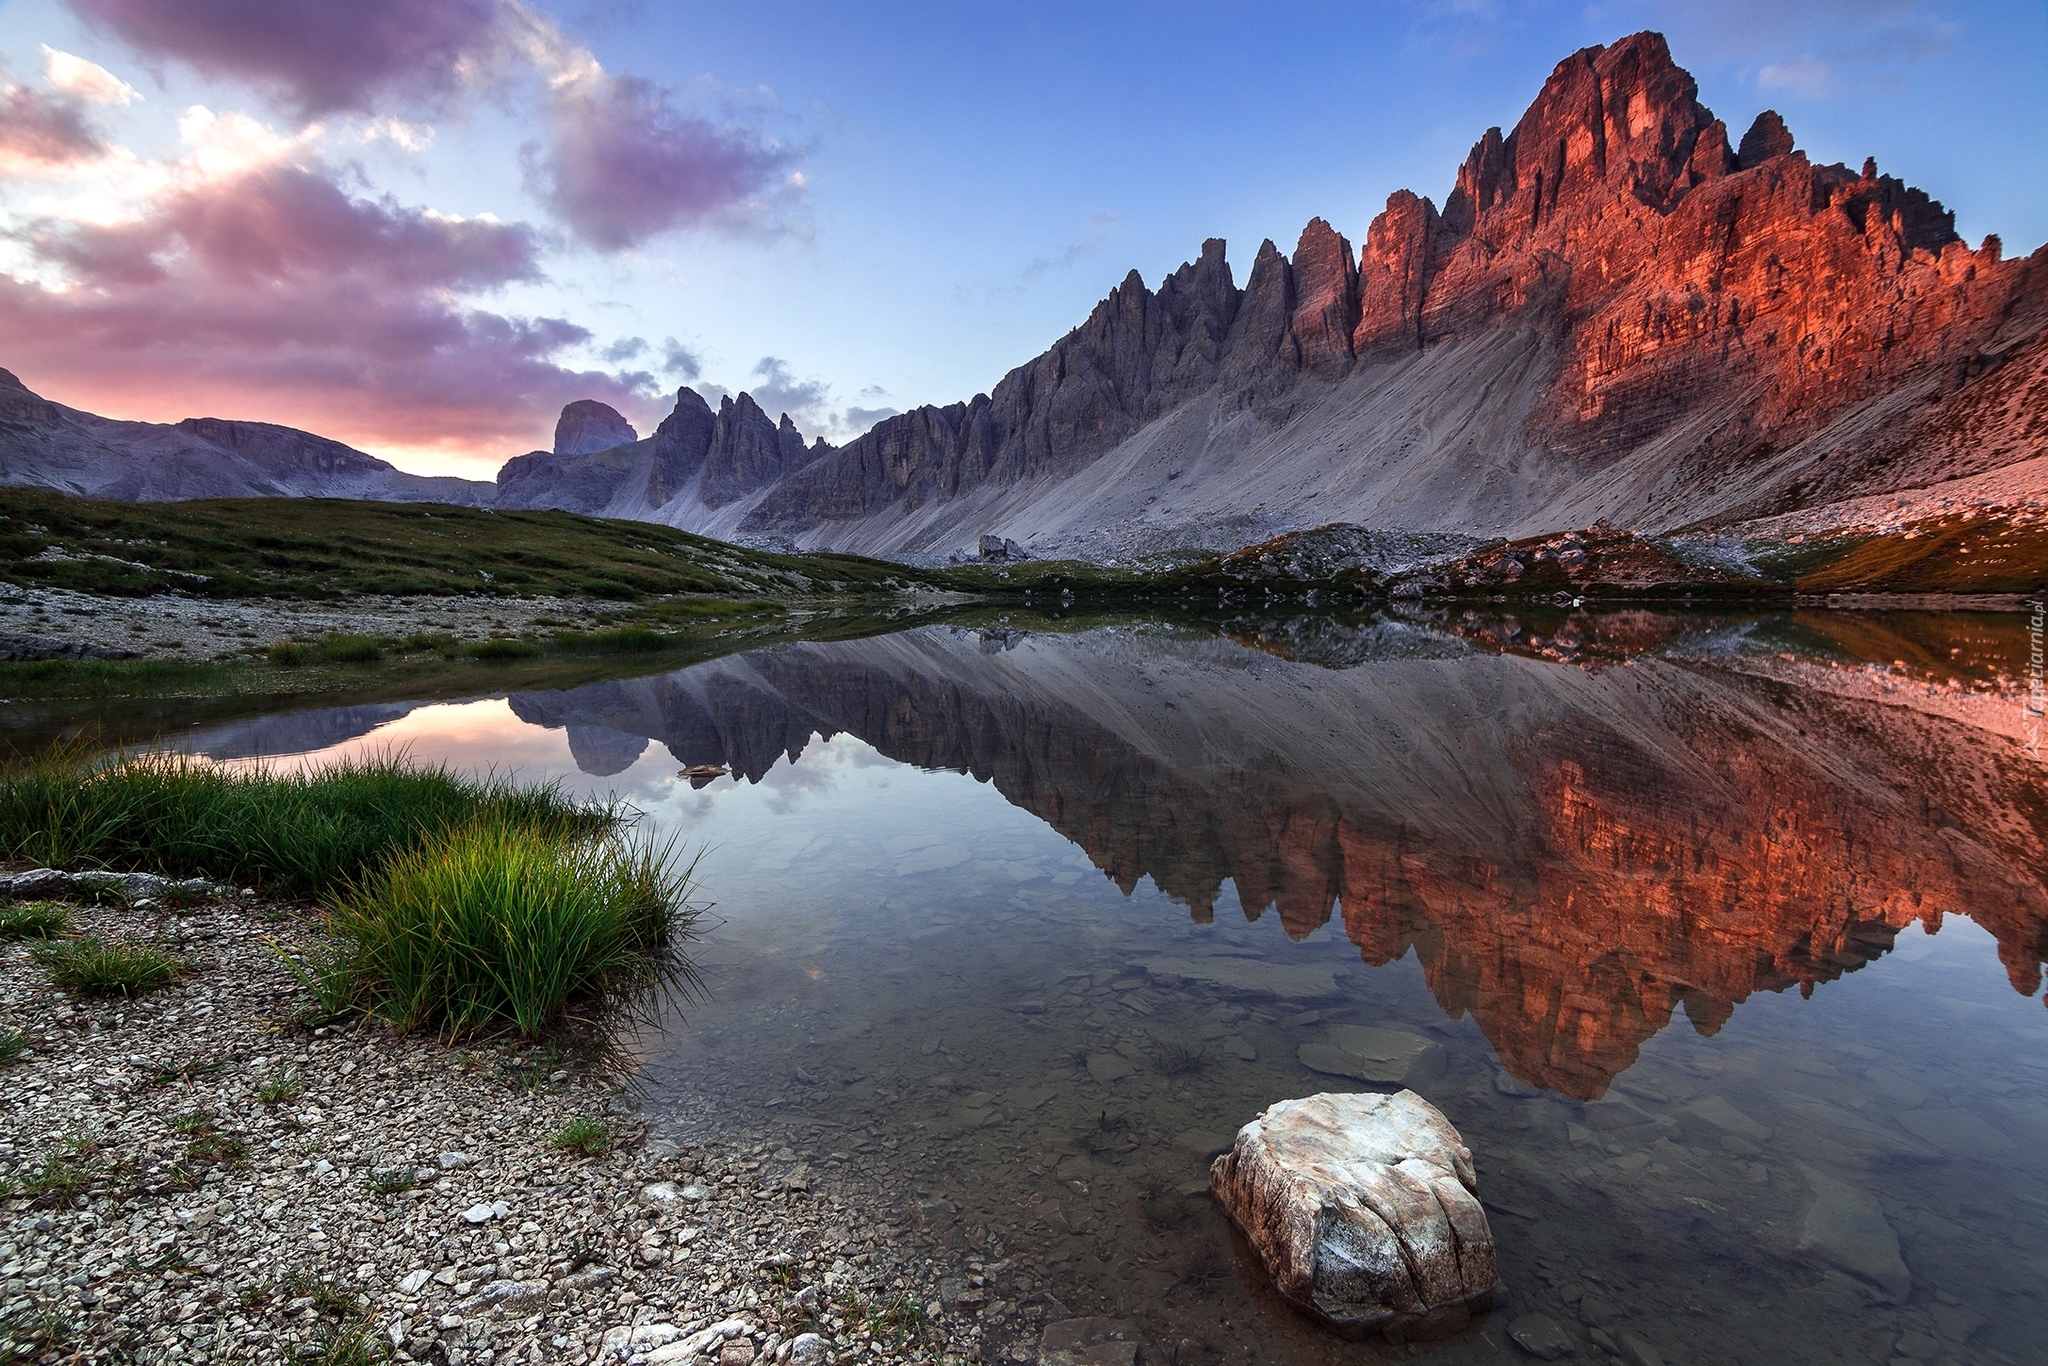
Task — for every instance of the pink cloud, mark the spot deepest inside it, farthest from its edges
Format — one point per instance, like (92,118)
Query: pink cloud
(317,56)
(275,295)
(621,163)
(38,130)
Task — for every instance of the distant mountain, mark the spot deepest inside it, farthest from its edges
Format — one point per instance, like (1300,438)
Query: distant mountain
(47,445)
(1618,312)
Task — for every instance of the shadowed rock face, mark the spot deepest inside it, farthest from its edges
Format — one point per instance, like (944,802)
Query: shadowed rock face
(1570,855)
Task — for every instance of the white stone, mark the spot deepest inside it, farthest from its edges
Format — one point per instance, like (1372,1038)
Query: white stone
(414,1280)
(808,1349)
(478,1214)
(1364,1208)
(693,1346)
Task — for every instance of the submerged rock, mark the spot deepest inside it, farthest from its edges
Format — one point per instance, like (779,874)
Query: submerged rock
(1846,1228)
(1364,1208)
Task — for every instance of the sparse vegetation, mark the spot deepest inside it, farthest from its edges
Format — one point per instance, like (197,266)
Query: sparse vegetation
(13,1043)
(585,1137)
(31,1332)
(90,966)
(280,1088)
(1179,1058)
(34,920)
(391,1180)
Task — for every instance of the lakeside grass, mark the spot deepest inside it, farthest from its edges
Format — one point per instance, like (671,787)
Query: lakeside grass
(294,834)
(454,904)
(499,923)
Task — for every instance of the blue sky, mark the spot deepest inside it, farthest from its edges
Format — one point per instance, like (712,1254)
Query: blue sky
(909,199)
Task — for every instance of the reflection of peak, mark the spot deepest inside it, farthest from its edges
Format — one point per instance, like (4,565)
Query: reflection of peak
(1569,855)
(601,751)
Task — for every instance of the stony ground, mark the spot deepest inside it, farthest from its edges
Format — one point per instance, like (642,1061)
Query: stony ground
(201,1175)
(167,626)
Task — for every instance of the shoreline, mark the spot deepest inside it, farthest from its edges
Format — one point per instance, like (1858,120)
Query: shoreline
(191,1177)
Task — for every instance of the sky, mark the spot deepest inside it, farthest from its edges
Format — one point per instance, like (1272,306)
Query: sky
(421,226)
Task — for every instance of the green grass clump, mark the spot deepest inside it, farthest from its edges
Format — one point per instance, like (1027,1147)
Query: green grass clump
(87,966)
(505,924)
(299,834)
(280,1088)
(336,647)
(35,920)
(587,1137)
(13,1043)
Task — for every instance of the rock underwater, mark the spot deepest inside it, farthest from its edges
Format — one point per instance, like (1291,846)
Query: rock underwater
(1364,1209)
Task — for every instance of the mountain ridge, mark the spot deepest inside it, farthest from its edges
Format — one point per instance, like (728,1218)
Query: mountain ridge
(1619,312)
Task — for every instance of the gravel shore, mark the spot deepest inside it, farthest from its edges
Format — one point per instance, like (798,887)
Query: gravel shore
(197,1175)
(167,626)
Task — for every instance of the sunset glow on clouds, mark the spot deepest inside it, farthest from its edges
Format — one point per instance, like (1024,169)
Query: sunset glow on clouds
(421,226)
(252,273)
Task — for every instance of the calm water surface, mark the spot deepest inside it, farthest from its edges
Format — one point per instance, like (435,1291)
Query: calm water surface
(1724,958)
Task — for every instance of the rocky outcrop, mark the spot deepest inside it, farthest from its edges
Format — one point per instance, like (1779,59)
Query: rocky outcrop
(587,426)
(49,445)
(1614,313)
(1364,1208)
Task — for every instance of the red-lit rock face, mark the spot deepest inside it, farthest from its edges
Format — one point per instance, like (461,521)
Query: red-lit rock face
(1570,855)
(1616,218)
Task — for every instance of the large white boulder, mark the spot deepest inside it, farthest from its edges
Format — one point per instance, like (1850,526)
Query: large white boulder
(1364,1208)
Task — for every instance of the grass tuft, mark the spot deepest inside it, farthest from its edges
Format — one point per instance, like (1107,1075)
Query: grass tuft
(586,1137)
(300,834)
(35,920)
(13,1043)
(88,966)
(503,924)
(279,1089)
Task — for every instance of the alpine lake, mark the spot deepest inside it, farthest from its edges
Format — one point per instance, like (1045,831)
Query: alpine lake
(1719,938)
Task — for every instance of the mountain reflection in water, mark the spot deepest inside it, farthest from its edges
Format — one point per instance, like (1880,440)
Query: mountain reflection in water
(1570,853)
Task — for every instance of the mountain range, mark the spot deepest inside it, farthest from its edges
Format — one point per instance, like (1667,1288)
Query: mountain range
(1619,311)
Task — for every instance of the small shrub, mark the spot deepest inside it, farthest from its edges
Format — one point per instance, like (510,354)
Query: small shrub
(279,1089)
(97,967)
(586,1137)
(610,589)
(354,1345)
(505,924)
(290,654)
(184,1071)
(500,648)
(391,1180)
(36,920)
